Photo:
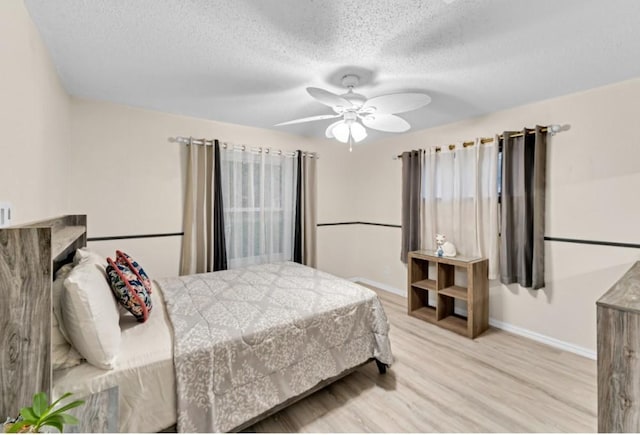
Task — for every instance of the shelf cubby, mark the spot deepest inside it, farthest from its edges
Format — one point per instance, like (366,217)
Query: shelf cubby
(426,313)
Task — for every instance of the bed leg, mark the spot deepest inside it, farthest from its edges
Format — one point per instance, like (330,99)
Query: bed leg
(382,367)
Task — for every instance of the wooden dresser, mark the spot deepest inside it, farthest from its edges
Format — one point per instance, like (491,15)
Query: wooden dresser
(619,355)
(433,290)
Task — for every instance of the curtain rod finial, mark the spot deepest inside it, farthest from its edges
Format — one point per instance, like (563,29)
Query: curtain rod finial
(554,128)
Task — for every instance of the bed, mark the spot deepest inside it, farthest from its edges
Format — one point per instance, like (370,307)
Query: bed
(225,349)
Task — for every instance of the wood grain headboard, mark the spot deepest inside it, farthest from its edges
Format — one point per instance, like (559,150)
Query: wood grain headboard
(29,257)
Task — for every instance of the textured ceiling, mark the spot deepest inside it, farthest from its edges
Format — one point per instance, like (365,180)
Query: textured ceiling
(249,61)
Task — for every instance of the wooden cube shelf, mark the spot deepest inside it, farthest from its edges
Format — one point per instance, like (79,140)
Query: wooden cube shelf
(443,289)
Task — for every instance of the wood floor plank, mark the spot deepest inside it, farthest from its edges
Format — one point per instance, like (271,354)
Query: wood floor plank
(443,382)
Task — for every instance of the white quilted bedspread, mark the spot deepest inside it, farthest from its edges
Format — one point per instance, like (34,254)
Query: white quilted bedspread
(246,340)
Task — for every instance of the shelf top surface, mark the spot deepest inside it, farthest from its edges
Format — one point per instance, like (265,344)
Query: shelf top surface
(61,238)
(455,292)
(425,284)
(625,294)
(431,255)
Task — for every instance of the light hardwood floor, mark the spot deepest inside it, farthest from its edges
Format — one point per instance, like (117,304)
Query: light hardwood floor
(443,382)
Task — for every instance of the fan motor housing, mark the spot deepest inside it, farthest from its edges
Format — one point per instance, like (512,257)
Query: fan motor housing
(350,81)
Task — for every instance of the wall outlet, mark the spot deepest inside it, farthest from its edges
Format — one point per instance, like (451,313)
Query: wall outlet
(5,214)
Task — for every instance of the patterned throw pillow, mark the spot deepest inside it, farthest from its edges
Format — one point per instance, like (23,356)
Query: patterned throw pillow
(129,290)
(124,259)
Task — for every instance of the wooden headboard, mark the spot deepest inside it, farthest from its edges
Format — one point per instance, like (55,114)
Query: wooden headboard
(29,257)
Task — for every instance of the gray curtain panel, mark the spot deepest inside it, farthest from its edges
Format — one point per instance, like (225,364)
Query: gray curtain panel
(304,250)
(309,210)
(524,161)
(411,189)
(197,242)
(297,232)
(218,236)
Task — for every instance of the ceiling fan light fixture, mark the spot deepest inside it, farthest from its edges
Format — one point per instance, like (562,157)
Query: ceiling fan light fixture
(341,132)
(358,132)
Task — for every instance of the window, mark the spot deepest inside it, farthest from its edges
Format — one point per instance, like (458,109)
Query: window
(258,202)
(460,191)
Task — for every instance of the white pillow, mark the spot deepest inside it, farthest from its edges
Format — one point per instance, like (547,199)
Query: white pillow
(84,254)
(90,314)
(63,355)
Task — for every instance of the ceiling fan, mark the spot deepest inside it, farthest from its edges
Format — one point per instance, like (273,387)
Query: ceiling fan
(357,111)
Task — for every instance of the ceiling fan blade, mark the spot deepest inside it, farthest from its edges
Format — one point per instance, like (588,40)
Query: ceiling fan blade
(329,131)
(391,123)
(397,103)
(310,118)
(328,98)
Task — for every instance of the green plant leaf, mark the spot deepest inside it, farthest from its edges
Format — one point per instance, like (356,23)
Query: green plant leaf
(69,419)
(67,407)
(40,403)
(53,422)
(28,415)
(15,427)
(64,396)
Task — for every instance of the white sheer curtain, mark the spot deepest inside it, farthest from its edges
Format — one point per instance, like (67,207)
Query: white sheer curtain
(460,194)
(258,194)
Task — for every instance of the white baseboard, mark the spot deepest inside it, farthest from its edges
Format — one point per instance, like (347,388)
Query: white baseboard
(379,285)
(553,342)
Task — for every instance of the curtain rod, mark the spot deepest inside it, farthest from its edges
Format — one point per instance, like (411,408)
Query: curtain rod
(551,129)
(225,145)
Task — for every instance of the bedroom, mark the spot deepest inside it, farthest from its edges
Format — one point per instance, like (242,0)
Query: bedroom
(63,152)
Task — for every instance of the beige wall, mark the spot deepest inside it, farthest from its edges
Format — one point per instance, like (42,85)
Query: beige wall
(34,121)
(129,179)
(593,181)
